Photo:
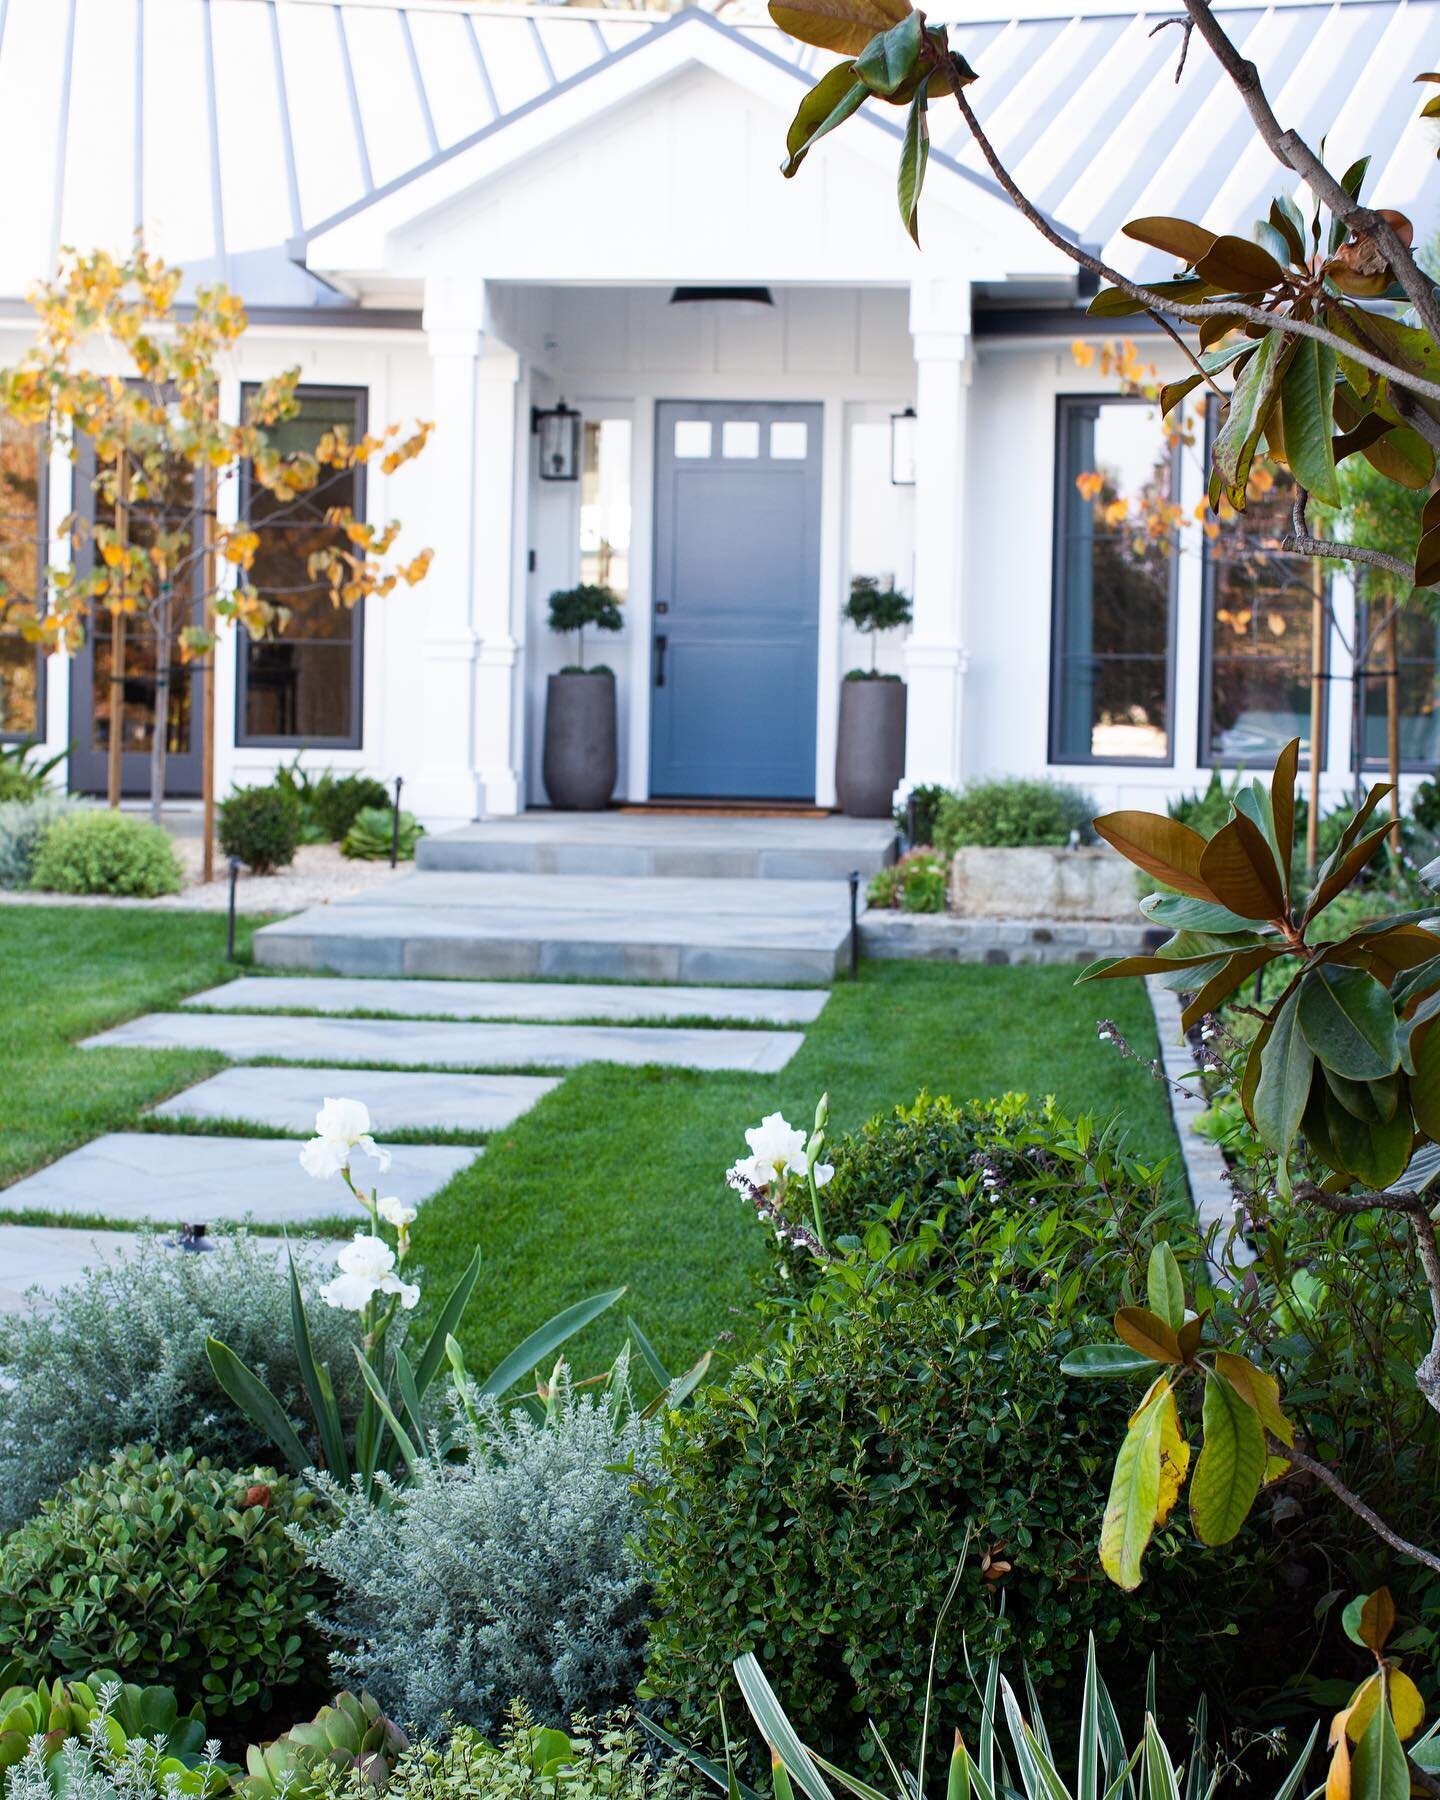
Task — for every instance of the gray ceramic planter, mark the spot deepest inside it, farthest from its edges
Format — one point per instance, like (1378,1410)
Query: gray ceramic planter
(580,757)
(870,754)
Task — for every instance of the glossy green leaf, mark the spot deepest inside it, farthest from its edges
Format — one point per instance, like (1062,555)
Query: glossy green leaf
(1129,1520)
(914,155)
(1425,1082)
(1115,303)
(1230,1466)
(1308,396)
(889,61)
(1374,1153)
(1287,1065)
(1285,219)
(1379,1770)
(829,103)
(1259,1390)
(1165,1286)
(1348,1021)
(1251,401)
(1106,1362)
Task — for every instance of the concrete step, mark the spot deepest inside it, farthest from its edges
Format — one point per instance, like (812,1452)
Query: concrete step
(287,1099)
(446,1044)
(665,845)
(539,1001)
(610,927)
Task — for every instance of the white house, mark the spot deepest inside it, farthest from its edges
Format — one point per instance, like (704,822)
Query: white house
(472,213)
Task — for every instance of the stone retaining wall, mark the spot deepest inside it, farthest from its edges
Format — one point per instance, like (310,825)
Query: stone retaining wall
(937,937)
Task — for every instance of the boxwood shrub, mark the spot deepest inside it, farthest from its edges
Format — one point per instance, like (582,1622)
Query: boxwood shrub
(97,851)
(1010,812)
(171,1569)
(260,825)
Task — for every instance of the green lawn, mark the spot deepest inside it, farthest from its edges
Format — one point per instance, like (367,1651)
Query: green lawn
(617,1176)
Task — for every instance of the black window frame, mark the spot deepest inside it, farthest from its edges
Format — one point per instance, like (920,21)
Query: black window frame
(355,739)
(1360,681)
(1204,759)
(42,601)
(1065,490)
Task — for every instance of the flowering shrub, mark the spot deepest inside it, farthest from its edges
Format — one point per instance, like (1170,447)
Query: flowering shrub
(171,1569)
(119,1357)
(510,1572)
(915,884)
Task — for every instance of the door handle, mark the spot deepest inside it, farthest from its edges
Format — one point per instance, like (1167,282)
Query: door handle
(661,644)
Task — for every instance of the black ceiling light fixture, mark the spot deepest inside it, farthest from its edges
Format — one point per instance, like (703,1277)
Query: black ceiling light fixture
(558,429)
(903,455)
(751,298)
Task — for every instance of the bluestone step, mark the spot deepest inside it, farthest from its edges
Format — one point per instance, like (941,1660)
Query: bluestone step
(288,1099)
(666,845)
(537,1000)
(147,1176)
(414,1043)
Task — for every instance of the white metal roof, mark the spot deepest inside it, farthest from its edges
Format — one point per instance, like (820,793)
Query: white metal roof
(228,129)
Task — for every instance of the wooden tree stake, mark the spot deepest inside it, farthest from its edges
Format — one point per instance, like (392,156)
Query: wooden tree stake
(114,743)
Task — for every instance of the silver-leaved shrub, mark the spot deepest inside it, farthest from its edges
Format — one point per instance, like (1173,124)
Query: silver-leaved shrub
(509,1575)
(22,825)
(119,1358)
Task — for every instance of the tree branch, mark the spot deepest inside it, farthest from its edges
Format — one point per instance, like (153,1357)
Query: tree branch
(1324,1474)
(1291,150)
(1197,313)
(1303,544)
(1414,1207)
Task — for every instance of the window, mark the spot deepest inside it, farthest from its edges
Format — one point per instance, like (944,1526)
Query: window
(1114,586)
(1259,602)
(22,562)
(302,685)
(605,505)
(1417,657)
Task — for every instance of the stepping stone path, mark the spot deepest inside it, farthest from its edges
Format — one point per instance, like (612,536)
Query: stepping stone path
(404,1055)
(407,1100)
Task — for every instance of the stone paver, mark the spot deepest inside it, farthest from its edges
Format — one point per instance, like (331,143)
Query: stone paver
(145,1176)
(529,1000)
(288,1099)
(621,928)
(666,845)
(408,1043)
(1210,1193)
(50,1257)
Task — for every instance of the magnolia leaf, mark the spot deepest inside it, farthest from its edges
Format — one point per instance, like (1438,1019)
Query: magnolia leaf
(1287,1066)
(1427,558)
(1401,456)
(1162,847)
(1282,807)
(1106,1361)
(1174,1457)
(1129,1520)
(1259,1391)
(829,103)
(1238,867)
(1286,220)
(1230,1464)
(914,154)
(889,61)
(1224,981)
(1375,1153)
(1425,1081)
(1182,240)
(1345,870)
(1142,1330)
(1407,1708)
(845,26)
(1181,913)
(1348,1020)
(1115,303)
(1368,1620)
(1189,1335)
(1251,401)
(1380,1771)
(1337,1779)
(1165,1287)
(1308,397)
(1239,266)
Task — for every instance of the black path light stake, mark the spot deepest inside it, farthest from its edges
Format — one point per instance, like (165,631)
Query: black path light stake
(230,921)
(395,824)
(854,925)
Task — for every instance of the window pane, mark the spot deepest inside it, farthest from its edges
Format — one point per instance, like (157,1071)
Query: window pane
(692,437)
(1260,601)
(21,555)
(1113,655)
(300,682)
(789,440)
(740,437)
(605,505)
(1417,639)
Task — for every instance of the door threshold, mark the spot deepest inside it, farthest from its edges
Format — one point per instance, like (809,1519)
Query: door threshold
(728,809)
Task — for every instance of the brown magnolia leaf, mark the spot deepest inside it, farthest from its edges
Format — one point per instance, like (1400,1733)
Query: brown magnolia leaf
(1184,241)
(1259,1391)
(1359,267)
(1427,558)
(1282,804)
(1162,847)
(1239,266)
(1430,512)
(1238,866)
(1148,1333)
(845,26)
(1377,1619)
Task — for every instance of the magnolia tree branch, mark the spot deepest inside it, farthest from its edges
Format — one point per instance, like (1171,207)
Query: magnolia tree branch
(1290,149)
(1192,313)
(1414,1207)
(1303,544)
(1324,1474)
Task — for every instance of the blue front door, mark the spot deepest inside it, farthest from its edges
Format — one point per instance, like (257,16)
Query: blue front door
(737,601)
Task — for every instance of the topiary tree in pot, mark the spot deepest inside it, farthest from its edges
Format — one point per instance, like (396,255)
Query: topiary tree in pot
(870,750)
(580,762)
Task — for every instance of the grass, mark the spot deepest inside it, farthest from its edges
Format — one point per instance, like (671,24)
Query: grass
(69,971)
(616,1176)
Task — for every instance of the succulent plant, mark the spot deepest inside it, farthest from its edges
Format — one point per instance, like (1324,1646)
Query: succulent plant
(351,1735)
(53,1710)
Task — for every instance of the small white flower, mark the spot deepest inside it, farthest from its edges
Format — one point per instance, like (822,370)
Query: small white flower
(776,1145)
(823,1173)
(342,1126)
(395,1212)
(750,1172)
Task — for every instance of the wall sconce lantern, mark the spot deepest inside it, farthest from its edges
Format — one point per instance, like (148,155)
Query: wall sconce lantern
(558,429)
(902,448)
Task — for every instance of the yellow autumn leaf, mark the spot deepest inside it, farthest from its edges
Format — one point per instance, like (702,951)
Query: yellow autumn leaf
(1174,1457)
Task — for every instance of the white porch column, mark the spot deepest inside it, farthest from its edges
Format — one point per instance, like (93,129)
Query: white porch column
(935,650)
(497,428)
